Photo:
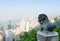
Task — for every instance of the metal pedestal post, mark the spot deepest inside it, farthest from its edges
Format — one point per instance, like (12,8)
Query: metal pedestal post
(47,37)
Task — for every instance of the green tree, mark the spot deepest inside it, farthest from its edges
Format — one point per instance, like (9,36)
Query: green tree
(57,29)
(28,36)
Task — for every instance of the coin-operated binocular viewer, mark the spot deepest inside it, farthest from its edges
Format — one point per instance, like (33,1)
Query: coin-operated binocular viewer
(46,32)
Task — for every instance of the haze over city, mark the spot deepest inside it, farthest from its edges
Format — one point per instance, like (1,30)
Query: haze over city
(28,8)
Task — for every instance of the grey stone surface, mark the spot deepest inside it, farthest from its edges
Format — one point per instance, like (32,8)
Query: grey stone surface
(51,36)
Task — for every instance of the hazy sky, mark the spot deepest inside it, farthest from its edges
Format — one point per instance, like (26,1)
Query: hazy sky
(28,8)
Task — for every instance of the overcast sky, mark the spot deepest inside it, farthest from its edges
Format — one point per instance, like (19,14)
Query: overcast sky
(28,8)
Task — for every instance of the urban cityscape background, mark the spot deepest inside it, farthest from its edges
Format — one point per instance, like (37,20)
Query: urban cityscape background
(10,30)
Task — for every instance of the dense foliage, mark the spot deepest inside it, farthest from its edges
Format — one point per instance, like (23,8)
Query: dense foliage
(57,29)
(31,36)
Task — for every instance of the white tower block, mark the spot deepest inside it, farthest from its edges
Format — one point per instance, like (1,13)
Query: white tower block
(27,26)
(51,36)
